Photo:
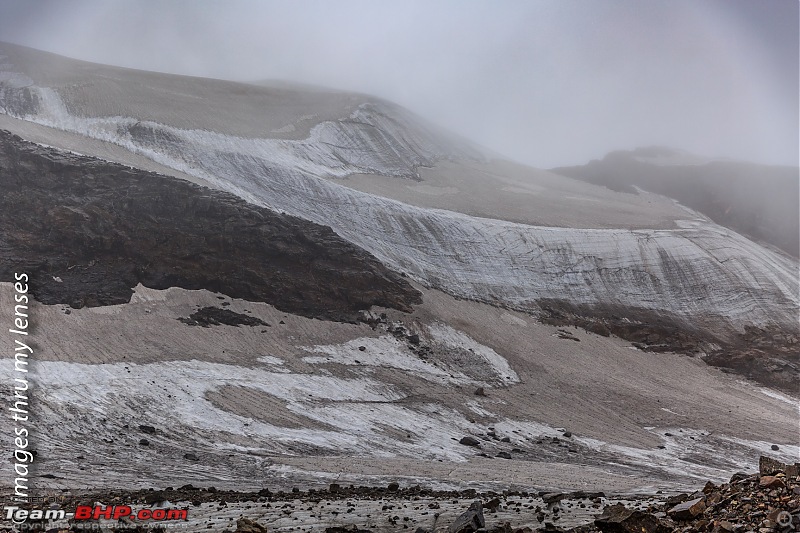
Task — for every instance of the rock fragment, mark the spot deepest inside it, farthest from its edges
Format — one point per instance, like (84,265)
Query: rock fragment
(469,441)
(688,509)
(553,497)
(771,482)
(470,520)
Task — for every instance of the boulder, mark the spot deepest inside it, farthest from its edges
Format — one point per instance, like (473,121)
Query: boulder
(553,497)
(493,504)
(470,520)
(469,441)
(687,510)
(771,482)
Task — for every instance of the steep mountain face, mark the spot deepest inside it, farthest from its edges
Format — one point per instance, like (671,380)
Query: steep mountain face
(759,201)
(250,373)
(87,232)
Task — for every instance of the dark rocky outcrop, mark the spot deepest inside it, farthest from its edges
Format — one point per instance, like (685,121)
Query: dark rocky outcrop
(770,356)
(216,316)
(87,231)
(765,355)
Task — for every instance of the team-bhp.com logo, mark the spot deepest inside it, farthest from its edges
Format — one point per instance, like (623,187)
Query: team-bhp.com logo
(96,512)
(118,512)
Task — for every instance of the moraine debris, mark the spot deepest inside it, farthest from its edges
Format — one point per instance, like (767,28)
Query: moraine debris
(767,502)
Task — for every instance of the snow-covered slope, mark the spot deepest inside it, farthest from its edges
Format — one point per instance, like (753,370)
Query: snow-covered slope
(696,270)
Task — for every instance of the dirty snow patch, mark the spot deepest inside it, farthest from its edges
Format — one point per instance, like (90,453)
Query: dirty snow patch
(453,338)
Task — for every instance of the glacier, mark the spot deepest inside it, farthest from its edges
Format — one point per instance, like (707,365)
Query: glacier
(696,270)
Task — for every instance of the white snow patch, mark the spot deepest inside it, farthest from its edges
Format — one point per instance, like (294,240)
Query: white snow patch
(724,454)
(787,452)
(781,397)
(385,351)
(453,338)
(364,414)
(15,80)
(270,360)
(478,409)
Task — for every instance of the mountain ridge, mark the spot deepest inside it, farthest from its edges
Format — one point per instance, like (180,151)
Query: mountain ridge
(757,200)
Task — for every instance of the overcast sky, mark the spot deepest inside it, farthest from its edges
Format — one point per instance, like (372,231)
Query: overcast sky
(547,82)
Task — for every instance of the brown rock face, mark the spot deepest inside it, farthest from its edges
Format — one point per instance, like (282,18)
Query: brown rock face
(87,231)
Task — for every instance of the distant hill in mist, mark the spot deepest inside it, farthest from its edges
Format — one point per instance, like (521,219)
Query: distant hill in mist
(760,201)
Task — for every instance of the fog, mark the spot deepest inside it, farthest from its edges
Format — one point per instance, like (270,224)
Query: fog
(546,82)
